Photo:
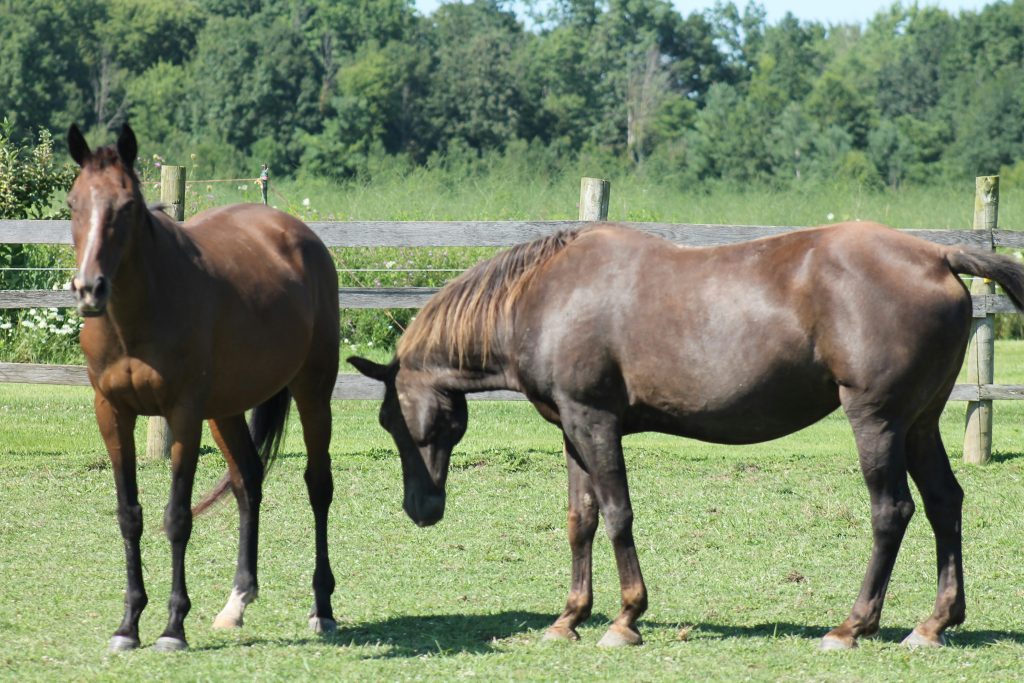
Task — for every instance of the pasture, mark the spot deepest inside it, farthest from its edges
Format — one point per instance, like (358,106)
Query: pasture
(750,554)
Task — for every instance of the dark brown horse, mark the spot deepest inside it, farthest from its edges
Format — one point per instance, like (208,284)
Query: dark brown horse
(609,331)
(235,309)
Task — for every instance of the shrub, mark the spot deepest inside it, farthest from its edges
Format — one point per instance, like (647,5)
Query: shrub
(31,182)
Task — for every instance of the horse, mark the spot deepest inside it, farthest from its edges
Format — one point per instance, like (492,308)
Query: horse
(611,331)
(237,308)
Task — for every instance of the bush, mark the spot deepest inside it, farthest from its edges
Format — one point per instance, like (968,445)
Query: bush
(31,185)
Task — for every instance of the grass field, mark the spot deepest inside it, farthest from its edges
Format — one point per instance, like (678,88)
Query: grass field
(750,554)
(521,194)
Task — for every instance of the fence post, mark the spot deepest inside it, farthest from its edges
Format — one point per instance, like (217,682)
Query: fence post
(981,350)
(264,182)
(172,191)
(594,194)
(172,195)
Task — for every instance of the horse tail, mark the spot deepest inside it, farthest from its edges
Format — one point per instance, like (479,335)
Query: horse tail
(1003,269)
(267,426)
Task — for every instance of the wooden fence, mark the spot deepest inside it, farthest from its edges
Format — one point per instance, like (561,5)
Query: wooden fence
(979,392)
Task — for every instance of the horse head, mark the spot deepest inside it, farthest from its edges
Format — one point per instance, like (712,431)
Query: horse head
(426,423)
(105,200)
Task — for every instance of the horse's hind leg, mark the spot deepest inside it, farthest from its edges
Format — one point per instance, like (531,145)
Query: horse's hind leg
(312,392)
(246,472)
(943,500)
(881,445)
(582,527)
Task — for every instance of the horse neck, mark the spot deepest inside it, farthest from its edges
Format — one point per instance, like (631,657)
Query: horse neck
(143,278)
(470,374)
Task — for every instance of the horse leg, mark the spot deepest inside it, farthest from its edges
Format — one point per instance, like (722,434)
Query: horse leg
(596,441)
(246,472)
(187,430)
(943,500)
(312,393)
(118,432)
(582,527)
(881,445)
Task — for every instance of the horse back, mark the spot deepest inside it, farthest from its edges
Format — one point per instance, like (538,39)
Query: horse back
(742,342)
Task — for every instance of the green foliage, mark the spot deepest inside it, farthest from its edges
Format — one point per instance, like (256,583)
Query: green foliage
(30,176)
(336,89)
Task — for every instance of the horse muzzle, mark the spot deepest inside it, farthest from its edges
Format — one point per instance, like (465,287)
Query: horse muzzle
(424,510)
(91,295)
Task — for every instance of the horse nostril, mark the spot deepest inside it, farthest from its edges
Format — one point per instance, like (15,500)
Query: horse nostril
(99,290)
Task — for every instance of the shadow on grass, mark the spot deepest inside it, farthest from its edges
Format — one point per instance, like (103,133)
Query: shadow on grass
(1001,456)
(966,638)
(453,634)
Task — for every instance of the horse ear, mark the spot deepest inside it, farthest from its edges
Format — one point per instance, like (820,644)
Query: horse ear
(369,368)
(77,145)
(127,147)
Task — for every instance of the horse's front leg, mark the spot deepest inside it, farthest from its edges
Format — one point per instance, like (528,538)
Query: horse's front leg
(598,445)
(186,428)
(582,527)
(118,432)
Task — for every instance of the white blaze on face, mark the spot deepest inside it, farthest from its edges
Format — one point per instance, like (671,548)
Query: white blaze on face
(92,238)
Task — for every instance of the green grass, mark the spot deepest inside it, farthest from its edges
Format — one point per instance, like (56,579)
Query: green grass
(754,551)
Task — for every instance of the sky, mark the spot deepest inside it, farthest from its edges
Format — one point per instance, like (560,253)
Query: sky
(826,11)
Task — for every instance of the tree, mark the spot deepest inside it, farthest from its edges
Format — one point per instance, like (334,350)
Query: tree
(254,79)
(44,80)
(474,94)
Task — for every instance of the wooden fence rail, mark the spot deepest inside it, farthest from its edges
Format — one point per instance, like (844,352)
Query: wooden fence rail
(480,234)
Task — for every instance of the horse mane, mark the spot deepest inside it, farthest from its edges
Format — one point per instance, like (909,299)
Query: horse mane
(469,309)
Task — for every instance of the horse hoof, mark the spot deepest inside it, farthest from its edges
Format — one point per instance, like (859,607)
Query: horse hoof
(617,636)
(915,640)
(831,642)
(323,625)
(226,621)
(559,634)
(123,644)
(169,644)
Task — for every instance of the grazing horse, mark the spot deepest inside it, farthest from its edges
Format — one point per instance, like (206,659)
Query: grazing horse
(609,331)
(235,309)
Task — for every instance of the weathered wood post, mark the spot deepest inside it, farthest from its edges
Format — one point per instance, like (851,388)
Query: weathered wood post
(172,196)
(981,350)
(264,182)
(594,195)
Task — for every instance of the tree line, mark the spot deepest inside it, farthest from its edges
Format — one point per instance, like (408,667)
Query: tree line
(340,88)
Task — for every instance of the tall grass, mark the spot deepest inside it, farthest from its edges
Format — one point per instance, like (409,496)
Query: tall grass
(510,189)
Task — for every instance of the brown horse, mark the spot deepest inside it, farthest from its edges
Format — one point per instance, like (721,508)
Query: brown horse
(235,309)
(609,331)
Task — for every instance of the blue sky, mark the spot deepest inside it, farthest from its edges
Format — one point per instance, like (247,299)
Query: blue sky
(827,11)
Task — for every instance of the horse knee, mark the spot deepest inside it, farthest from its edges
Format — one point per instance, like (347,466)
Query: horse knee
(891,518)
(178,523)
(129,518)
(618,522)
(582,524)
(319,485)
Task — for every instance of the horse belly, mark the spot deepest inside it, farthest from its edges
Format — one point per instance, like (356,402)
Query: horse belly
(738,412)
